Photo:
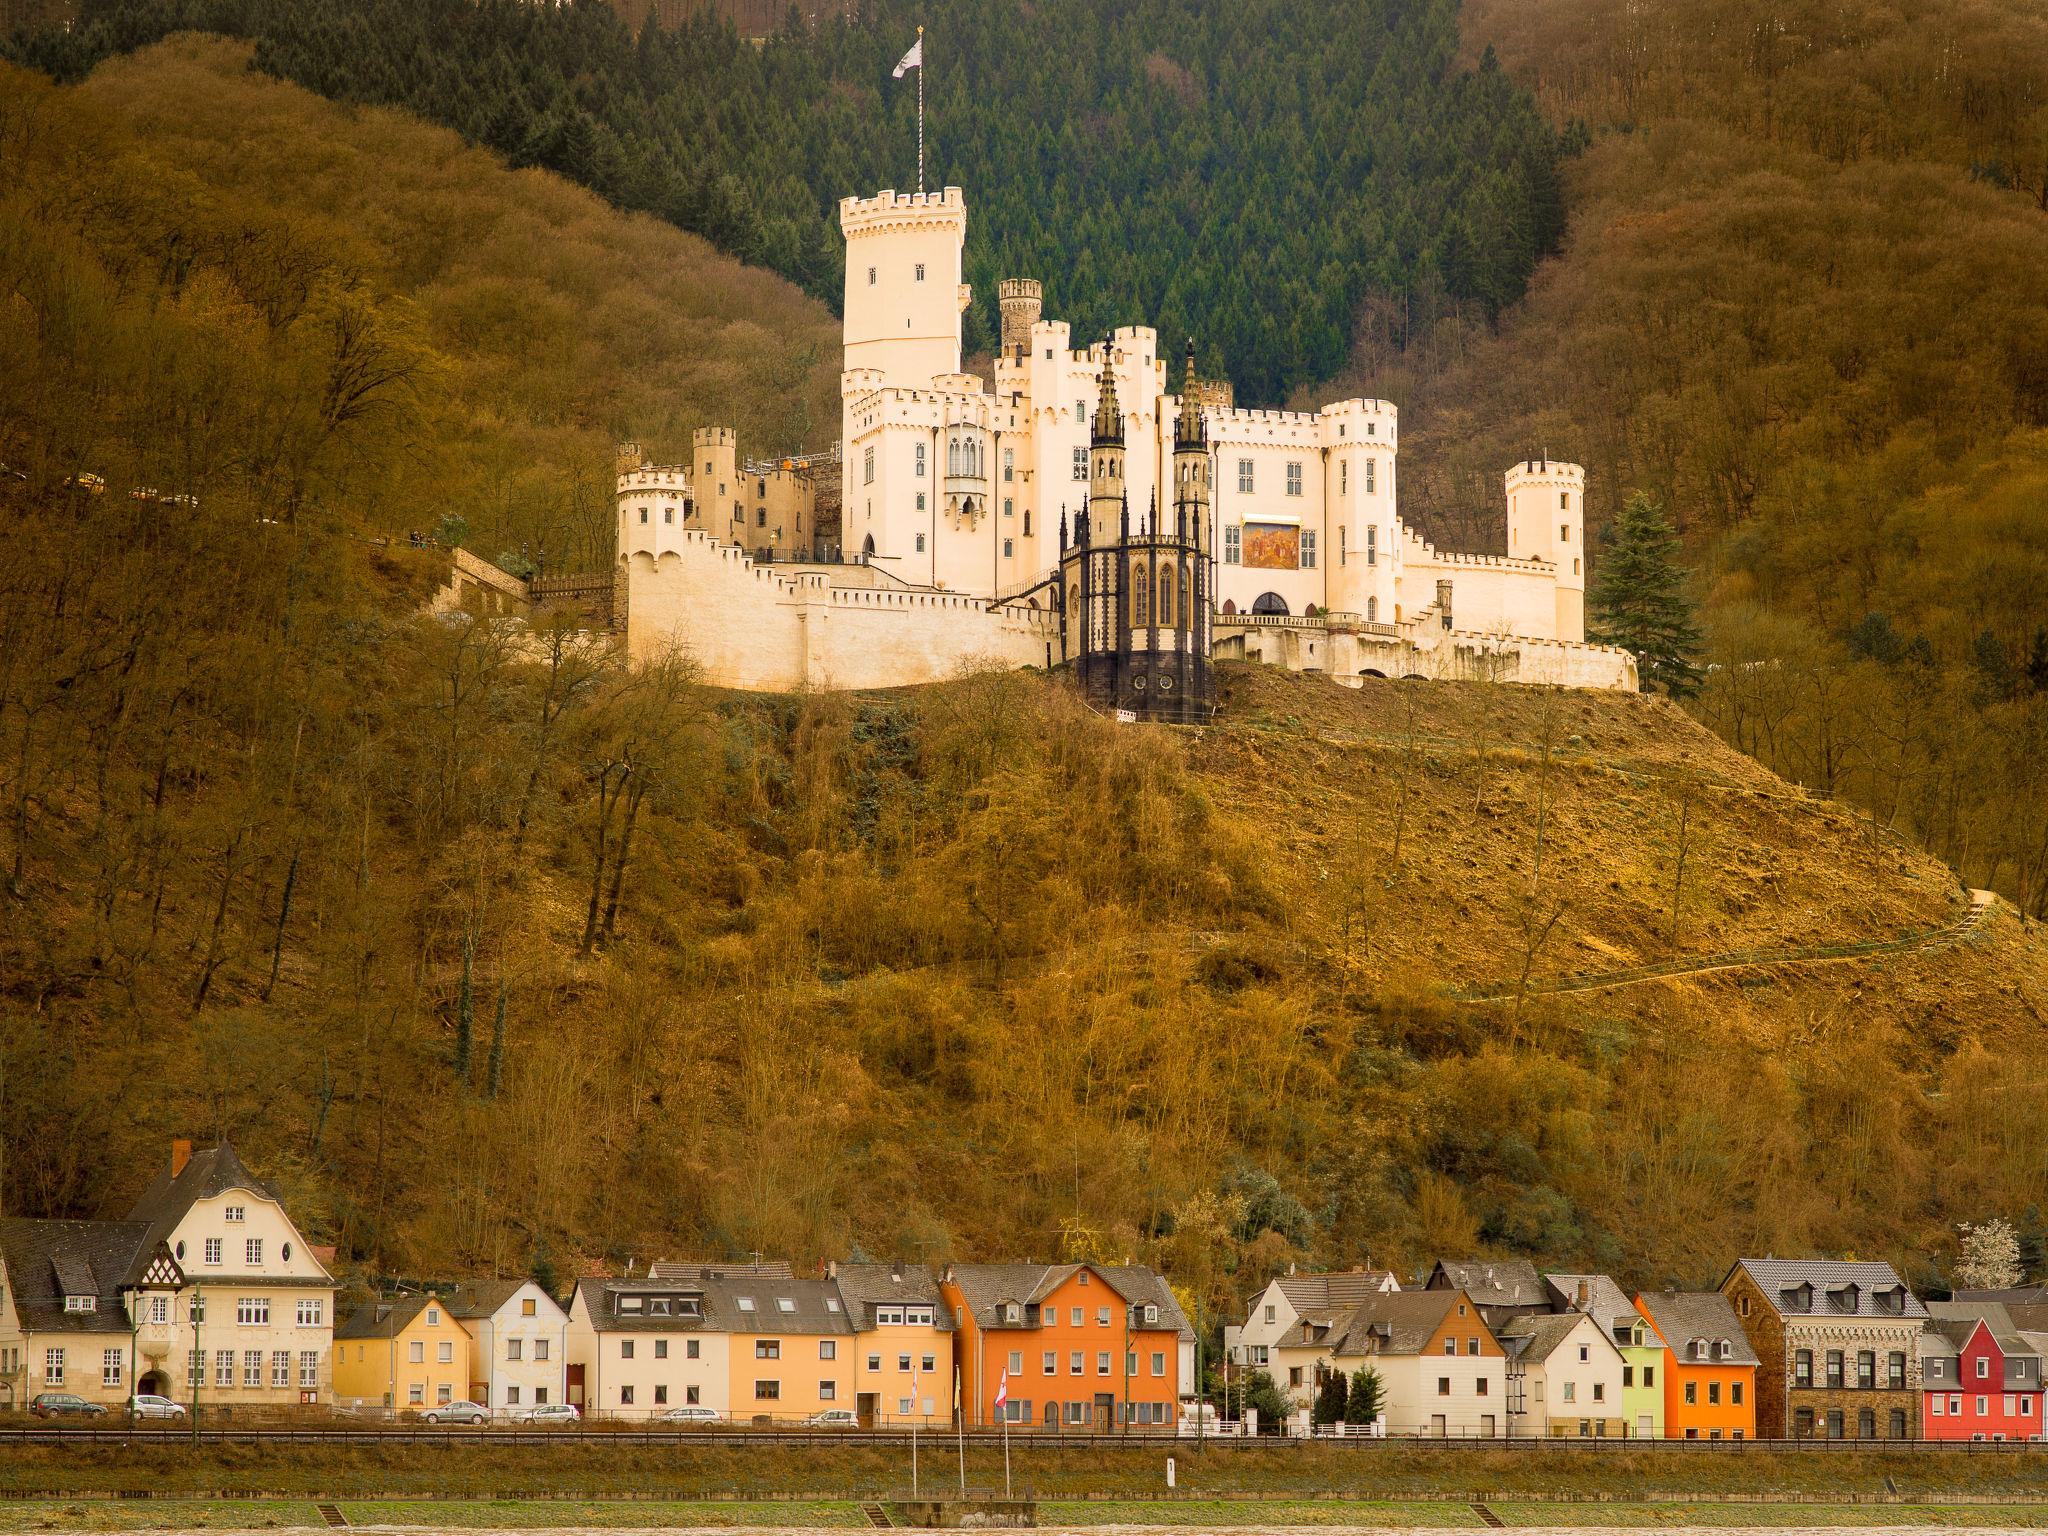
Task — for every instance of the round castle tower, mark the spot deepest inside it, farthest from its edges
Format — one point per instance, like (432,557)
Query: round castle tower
(1547,521)
(1022,300)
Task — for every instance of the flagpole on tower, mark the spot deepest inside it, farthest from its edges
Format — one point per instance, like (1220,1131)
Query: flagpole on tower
(920,108)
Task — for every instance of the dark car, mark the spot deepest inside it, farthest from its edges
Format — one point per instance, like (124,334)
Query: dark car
(57,1405)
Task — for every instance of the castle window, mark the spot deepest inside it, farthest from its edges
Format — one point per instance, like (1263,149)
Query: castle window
(1244,477)
(1343,476)
(1009,465)
(920,501)
(1080,463)
(1308,549)
(871,277)
(1027,524)
(1166,597)
(1233,544)
(1575,565)
(760,517)
(1369,429)
(1564,533)
(1138,598)
(1370,466)
(920,460)
(867,465)
(1564,501)
(1343,543)
(1009,507)
(643,514)
(1294,477)
(668,514)
(920,543)
(1372,546)
(1372,610)
(920,271)
(1009,549)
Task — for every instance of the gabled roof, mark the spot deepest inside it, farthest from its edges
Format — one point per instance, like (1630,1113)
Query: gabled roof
(384,1318)
(212,1172)
(1831,1288)
(1680,1317)
(1492,1282)
(1957,1320)
(1387,1323)
(1537,1336)
(1595,1295)
(1334,1288)
(987,1287)
(48,1260)
(485,1298)
(863,1287)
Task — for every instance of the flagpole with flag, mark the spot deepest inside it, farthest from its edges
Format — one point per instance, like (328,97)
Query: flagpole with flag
(915,60)
(959,1418)
(914,1415)
(1003,1413)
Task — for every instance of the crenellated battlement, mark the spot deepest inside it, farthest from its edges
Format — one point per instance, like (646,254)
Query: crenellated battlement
(654,477)
(714,437)
(890,209)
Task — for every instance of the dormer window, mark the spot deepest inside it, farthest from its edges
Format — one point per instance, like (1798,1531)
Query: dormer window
(1012,1313)
(1151,1313)
(81,1303)
(658,1306)
(631,1303)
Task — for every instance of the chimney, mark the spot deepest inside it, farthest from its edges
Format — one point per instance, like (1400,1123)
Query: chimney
(181,1154)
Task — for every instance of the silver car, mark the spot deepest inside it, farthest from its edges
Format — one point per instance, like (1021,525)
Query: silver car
(545,1414)
(461,1411)
(147,1405)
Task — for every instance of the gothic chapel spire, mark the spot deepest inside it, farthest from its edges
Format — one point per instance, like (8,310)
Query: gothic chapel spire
(1109,418)
(1189,431)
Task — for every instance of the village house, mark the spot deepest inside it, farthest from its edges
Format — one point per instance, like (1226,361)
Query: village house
(640,1345)
(1502,1289)
(1710,1368)
(902,1344)
(519,1348)
(1081,1345)
(405,1354)
(1642,1352)
(206,1292)
(1980,1375)
(1442,1369)
(1564,1377)
(1837,1345)
(791,1353)
(1272,1314)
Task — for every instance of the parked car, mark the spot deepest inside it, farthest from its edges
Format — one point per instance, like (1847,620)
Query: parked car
(549,1413)
(834,1418)
(147,1405)
(690,1413)
(58,1405)
(461,1411)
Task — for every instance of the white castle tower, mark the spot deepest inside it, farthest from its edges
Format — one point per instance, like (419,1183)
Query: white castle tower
(1547,521)
(904,296)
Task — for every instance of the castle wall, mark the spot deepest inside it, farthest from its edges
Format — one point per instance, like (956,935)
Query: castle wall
(753,627)
(1488,594)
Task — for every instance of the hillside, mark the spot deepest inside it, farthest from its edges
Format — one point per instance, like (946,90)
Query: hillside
(1803,303)
(505,963)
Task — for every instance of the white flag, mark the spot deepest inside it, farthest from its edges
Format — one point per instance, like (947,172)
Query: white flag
(911,60)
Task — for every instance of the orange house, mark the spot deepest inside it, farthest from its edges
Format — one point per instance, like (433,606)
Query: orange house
(1080,1345)
(1709,1366)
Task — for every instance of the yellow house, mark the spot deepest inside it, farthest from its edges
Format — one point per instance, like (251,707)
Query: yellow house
(790,1348)
(406,1353)
(903,1343)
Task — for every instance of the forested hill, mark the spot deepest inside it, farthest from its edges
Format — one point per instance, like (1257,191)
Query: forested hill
(1249,172)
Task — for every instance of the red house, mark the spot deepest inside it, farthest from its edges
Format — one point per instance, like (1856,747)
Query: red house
(1980,1375)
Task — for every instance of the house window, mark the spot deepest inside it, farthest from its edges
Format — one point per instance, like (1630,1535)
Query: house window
(1834,1368)
(1244,477)
(252,1368)
(1628,1377)
(1649,1375)
(1102,1362)
(1983,1368)
(515,1349)
(1564,501)
(1599,1391)
(252,1251)
(1371,470)
(1897,1426)
(81,1303)
(312,1311)
(691,1350)
(233,1213)
(309,1368)
(827,1390)
(920,507)
(767,1349)
(1564,533)
(1294,477)
(1834,1424)
(1233,544)
(1866,1368)
(1735,1392)
(1158,1362)
(828,1349)
(1102,1317)
(1009,506)
(760,517)
(528,1307)
(1308,549)
(1443,1386)
(1802,1368)
(1294,1375)
(159,1309)
(416,1352)
(625,1396)
(1866,1423)
(767,1391)
(690,1395)
(110,1368)
(1051,1363)
(1008,548)
(1714,1392)
(1479,1387)
(1080,463)
(1077,1317)
(540,1349)
(224,1368)
(53,1367)
(213,1250)
(252,1311)
(1935,1405)
(1571,1391)
(660,1394)
(926,1365)
(867,464)
(281,1368)
(1077,1364)
(1027,522)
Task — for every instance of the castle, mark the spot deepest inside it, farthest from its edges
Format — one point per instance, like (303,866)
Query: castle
(1076,513)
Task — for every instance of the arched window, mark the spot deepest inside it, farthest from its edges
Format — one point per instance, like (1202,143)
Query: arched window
(1269,602)
(867,549)
(1230,605)
(1372,610)
(1139,594)
(1166,596)
(1073,599)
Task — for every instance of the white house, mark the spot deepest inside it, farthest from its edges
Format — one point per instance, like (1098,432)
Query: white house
(1441,1367)
(1278,1307)
(1564,1378)
(521,1342)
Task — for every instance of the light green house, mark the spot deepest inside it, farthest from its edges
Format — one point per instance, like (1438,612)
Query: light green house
(1642,1352)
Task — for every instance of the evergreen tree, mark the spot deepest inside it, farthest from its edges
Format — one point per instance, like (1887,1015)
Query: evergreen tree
(465,1009)
(494,1064)
(1639,602)
(1331,1394)
(1367,1398)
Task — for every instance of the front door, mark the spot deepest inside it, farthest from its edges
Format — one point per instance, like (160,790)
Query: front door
(864,1406)
(1646,1427)
(1105,1412)
(576,1385)
(1486,1426)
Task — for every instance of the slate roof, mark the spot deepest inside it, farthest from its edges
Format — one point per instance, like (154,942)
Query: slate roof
(863,1287)
(1537,1335)
(2018,1295)
(1401,1321)
(986,1287)
(214,1171)
(1494,1282)
(385,1318)
(1333,1288)
(1682,1316)
(481,1298)
(1606,1303)
(1957,1320)
(1841,1287)
(48,1260)
(814,1306)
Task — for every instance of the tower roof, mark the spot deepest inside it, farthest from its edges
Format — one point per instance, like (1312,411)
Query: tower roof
(1109,417)
(1190,431)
